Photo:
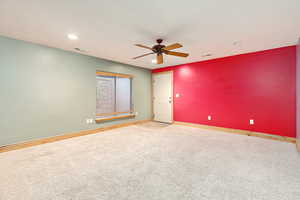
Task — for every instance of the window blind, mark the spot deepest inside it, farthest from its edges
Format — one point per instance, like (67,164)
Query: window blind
(114,95)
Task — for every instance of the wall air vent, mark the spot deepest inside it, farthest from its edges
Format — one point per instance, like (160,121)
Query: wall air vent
(80,50)
(207,55)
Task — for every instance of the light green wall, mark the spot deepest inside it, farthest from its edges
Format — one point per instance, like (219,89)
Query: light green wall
(47,91)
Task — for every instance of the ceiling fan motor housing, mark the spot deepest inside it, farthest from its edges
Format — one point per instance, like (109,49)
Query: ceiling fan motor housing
(158,48)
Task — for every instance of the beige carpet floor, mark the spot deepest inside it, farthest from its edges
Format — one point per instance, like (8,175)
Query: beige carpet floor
(153,161)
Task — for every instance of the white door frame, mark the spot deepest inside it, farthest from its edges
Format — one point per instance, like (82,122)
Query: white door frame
(172,95)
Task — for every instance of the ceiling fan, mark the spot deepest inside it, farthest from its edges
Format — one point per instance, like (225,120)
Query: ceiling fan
(160,49)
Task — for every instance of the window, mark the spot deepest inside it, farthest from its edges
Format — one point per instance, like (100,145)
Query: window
(114,96)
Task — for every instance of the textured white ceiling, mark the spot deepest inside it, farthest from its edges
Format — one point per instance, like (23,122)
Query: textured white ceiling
(109,28)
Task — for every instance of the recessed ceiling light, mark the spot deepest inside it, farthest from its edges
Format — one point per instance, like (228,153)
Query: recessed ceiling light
(72,36)
(154,61)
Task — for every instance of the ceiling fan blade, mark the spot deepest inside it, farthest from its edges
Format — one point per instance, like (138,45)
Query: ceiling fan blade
(174,53)
(160,59)
(143,46)
(172,46)
(143,55)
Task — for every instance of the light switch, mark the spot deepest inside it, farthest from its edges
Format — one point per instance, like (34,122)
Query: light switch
(177,95)
(251,121)
(209,117)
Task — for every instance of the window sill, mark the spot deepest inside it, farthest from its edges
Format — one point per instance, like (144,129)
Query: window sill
(114,118)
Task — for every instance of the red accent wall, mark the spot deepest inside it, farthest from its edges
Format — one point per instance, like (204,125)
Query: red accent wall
(298,90)
(233,90)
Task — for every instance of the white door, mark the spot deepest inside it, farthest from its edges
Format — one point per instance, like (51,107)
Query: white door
(163,97)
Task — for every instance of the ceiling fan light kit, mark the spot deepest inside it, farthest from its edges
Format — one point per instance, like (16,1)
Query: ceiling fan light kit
(160,49)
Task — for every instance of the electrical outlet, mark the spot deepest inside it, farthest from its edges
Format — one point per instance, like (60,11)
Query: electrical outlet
(89,121)
(251,121)
(209,117)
